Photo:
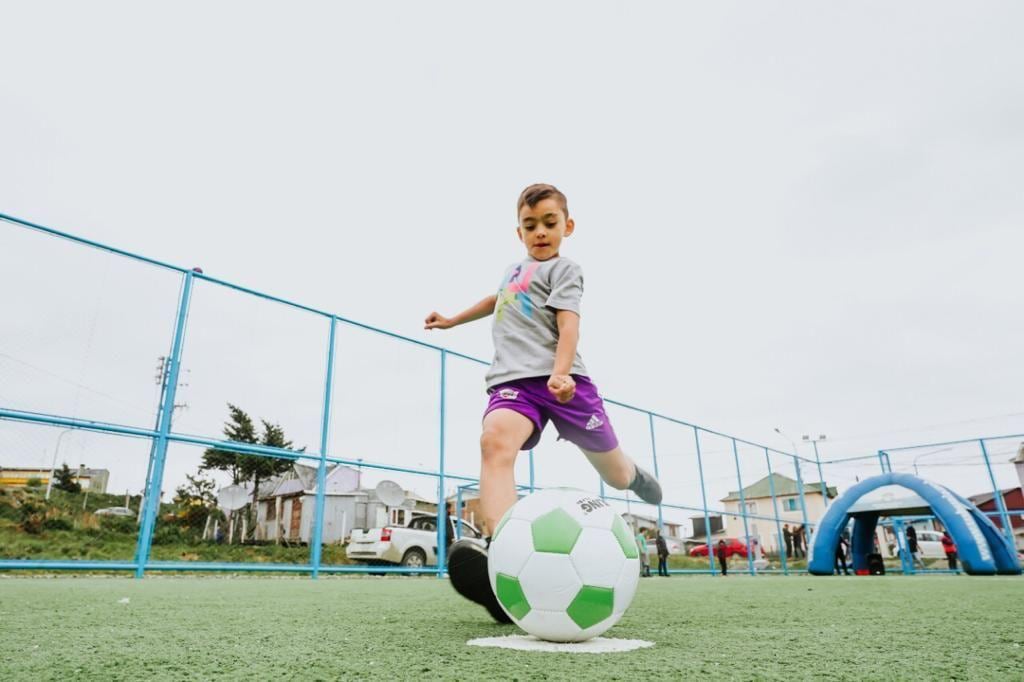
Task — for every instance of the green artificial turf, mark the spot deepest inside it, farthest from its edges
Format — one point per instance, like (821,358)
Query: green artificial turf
(221,627)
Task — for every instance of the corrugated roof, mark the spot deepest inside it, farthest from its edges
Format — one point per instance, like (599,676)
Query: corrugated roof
(784,485)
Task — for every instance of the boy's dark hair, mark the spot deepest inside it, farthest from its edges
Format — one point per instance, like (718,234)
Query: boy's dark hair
(534,194)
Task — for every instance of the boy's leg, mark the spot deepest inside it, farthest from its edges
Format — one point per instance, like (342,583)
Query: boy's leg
(504,432)
(620,472)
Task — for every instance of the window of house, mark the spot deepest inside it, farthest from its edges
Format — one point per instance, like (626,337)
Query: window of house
(789,504)
(751,507)
(272,510)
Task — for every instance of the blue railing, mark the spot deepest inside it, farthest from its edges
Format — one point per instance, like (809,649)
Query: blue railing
(164,434)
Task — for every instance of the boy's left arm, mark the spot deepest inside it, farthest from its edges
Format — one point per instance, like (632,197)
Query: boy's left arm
(560,383)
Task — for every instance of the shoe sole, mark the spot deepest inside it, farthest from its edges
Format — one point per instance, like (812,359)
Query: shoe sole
(467,572)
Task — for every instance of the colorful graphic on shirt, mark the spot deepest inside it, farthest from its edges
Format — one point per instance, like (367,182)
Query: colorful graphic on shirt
(515,290)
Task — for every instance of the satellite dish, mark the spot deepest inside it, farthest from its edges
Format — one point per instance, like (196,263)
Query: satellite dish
(390,493)
(232,497)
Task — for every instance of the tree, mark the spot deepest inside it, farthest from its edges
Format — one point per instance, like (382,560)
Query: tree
(64,479)
(239,429)
(243,468)
(194,502)
(258,468)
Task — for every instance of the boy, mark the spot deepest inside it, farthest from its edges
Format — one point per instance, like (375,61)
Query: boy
(536,375)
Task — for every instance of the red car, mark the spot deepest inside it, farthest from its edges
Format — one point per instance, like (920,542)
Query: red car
(732,546)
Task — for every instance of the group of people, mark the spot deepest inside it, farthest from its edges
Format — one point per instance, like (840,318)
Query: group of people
(796,540)
(913,547)
(645,561)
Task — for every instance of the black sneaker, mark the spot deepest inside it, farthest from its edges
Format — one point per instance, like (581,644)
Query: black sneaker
(646,487)
(467,570)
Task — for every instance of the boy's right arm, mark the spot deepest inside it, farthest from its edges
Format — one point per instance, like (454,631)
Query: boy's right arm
(482,309)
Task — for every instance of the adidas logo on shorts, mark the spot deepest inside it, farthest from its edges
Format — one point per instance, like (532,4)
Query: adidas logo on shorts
(594,422)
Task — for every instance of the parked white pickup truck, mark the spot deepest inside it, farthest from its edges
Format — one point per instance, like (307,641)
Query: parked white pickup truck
(414,545)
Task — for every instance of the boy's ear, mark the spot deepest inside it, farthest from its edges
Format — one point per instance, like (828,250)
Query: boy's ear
(570,225)
(519,232)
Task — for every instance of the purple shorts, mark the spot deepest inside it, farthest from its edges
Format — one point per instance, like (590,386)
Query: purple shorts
(582,420)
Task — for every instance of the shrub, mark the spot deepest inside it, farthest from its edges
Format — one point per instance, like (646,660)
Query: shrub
(34,483)
(32,516)
(57,523)
(117,524)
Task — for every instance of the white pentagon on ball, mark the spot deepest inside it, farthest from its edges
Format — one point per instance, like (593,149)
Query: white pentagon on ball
(563,564)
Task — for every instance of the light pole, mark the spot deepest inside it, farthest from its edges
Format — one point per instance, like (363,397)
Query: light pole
(799,480)
(53,466)
(817,458)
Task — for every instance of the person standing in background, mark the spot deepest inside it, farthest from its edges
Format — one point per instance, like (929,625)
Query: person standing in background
(662,555)
(645,560)
(950,549)
(787,535)
(723,561)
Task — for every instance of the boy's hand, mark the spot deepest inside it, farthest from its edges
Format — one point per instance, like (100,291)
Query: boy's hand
(562,387)
(437,321)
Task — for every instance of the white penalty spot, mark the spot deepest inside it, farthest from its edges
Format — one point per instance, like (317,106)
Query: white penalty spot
(597,645)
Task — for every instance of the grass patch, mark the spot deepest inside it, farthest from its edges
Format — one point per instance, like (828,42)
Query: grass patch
(865,628)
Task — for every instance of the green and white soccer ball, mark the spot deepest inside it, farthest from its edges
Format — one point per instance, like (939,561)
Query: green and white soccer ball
(564,565)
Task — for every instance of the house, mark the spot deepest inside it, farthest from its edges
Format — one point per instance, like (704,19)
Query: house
(285,511)
(93,480)
(758,500)
(1013,501)
(649,525)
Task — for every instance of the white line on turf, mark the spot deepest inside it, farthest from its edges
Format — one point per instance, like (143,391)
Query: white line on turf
(597,645)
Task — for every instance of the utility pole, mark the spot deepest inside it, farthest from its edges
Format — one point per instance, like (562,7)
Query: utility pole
(160,379)
(53,466)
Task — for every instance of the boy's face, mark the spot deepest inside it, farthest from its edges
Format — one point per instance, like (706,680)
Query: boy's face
(543,227)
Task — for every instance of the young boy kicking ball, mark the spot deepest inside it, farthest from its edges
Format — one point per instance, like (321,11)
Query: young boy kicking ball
(536,376)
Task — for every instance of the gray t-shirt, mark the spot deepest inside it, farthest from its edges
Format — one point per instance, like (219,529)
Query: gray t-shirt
(525,330)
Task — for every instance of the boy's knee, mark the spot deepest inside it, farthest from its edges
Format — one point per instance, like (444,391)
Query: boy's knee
(620,476)
(495,448)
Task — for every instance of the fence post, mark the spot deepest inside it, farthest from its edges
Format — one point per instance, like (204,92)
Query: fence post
(442,507)
(152,494)
(803,505)
(743,507)
(657,475)
(531,470)
(316,542)
(704,501)
(881,460)
(775,507)
(821,476)
(1007,528)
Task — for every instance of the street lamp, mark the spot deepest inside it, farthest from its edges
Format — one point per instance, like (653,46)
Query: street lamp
(817,458)
(53,467)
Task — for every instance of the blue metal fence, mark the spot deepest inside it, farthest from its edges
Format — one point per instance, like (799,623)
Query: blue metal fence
(163,434)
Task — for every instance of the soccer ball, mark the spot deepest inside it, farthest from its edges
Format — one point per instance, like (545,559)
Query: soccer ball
(563,564)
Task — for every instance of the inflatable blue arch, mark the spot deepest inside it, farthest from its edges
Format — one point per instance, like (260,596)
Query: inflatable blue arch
(981,547)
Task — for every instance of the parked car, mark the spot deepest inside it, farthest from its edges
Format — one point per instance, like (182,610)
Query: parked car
(675,546)
(732,546)
(929,543)
(114,511)
(413,545)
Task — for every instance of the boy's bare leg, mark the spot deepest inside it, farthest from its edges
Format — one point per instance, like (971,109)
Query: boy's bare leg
(620,472)
(504,432)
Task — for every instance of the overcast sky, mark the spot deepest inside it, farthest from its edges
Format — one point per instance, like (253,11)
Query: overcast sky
(802,215)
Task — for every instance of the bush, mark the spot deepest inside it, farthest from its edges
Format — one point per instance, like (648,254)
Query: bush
(31,517)
(117,524)
(57,523)
(34,483)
